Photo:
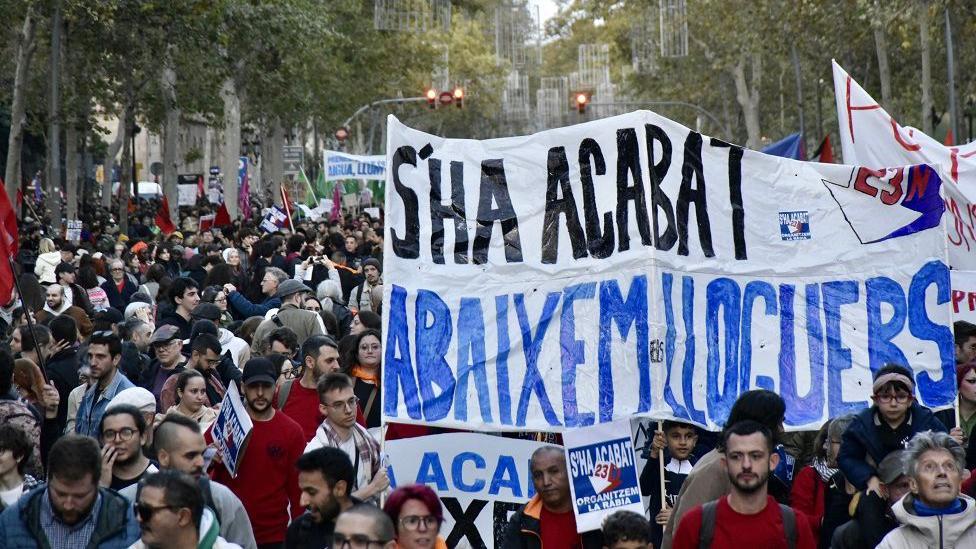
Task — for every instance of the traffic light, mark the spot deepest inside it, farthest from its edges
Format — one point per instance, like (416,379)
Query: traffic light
(582,99)
(459,96)
(431,98)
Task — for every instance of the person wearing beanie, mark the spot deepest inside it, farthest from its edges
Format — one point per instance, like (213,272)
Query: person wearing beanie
(886,426)
(361,297)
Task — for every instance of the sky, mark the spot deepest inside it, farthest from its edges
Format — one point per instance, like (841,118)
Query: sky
(547,8)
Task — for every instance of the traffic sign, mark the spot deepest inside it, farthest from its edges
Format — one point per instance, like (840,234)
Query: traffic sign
(292,156)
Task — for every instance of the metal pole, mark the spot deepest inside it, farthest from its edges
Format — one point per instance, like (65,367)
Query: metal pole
(820,132)
(27,316)
(799,96)
(951,69)
(395,100)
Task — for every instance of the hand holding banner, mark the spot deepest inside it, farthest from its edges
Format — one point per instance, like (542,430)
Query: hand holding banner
(231,430)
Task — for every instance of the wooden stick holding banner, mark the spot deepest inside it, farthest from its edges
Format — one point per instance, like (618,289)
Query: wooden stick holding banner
(660,464)
(284,201)
(231,431)
(28,315)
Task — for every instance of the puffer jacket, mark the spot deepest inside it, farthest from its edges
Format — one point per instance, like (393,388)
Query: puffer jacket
(861,446)
(44,268)
(937,532)
(20,524)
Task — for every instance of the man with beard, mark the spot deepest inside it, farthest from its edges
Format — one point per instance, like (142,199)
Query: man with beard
(325,477)
(123,433)
(71,510)
(748,516)
(55,304)
(267,479)
(104,354)
(299,399)
(547,520)
(73,293)
(179,446)
(361,297)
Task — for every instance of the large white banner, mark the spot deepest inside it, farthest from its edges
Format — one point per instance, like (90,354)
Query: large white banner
(633,266)
(481,480)
(340,165)
(869,136)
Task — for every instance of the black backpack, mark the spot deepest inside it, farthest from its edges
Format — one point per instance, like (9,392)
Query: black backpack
(707,531)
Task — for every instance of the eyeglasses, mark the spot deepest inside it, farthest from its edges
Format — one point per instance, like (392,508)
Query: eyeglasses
(355,541)
(125,434)
(146,511)
(288,374)
(344,404)
(220,300)
(900,398)
(412,522)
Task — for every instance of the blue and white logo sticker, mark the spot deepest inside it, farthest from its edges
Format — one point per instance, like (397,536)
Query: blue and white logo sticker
(794,225)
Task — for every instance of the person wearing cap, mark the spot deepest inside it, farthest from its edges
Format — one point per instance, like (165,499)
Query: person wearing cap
(167,344)
(104,354)
(204,358)
(267,479)
(361,297)
(145,402)
(242,307)
(238,349)
(66,273)
(120,288)
(871,517)
(886,426)
(304,323)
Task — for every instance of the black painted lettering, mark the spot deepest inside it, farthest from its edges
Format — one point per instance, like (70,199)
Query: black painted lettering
(591,163)
(659,200)
(735,197)
(556,206)
(407,247)
(453,210)
(494,190)
(691,169)
(629,169)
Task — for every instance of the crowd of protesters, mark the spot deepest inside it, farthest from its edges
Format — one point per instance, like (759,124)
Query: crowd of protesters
(120,349)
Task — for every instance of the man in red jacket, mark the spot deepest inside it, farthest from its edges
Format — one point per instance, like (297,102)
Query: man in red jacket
(748,516)
(267,478)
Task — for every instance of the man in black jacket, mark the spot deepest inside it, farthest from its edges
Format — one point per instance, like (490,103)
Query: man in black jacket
(62,366)
(326,477)
(65,274)
(119,288)
(552,502)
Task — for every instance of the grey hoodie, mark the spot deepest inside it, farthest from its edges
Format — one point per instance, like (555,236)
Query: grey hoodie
(938,532)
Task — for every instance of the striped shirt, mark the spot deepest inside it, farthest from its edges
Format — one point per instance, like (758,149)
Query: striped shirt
(63,536)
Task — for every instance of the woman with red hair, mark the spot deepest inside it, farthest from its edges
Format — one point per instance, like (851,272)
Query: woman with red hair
(417,515)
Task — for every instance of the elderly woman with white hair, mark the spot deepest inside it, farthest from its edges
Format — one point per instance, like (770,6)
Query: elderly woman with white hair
(330,295)
(934,514)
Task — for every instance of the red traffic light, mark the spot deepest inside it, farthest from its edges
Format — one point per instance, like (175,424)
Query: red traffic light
(459,96)
(431,95)
(580,99)
(342,134)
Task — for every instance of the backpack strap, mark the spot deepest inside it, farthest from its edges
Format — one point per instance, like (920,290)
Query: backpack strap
(707,530)
(789,525)
(283,393)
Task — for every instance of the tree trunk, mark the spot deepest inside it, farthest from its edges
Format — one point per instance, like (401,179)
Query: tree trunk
(125,168)
(881,48)
(747,98)
(15,142)
(54,123)
(926,45)
(232,144)
(109,166)
(171,134)
(275,165)
(71,170)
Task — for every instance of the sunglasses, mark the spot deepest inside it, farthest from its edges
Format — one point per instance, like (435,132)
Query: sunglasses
(145,511)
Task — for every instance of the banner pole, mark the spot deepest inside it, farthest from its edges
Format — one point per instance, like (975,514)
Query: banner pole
(660,464)
(30,321)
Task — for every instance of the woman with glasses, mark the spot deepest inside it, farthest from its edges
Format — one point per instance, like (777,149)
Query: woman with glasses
(217,296)
(966,382)
(417,516)
(191,399)
(364,364)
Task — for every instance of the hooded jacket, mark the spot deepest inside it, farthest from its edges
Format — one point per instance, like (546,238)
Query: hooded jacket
(937,532)
(116,526)
(240,352)
(861,442)
(44,268)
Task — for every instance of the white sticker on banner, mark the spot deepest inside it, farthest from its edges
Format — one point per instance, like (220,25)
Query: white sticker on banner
(631,266)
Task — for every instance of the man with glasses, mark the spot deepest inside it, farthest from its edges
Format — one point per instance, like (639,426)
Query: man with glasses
(104,354)
(242,308)
(886,426)
(123,433)
(120,288)
(364,527)
(167,345)
(325,477)
(267,480)
(304,323)
(172,514)
(71,510)
(300,399)
(185,295)
(338,403)
(204,358)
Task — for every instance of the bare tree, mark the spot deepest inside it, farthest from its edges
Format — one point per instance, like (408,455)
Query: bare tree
(15,142)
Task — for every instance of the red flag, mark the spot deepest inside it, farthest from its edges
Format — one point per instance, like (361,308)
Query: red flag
(200,191)
(949,139)
(825,153)
(223,216)
(6,268)
(9,219)
(163,221)
(336,203)
(20,198)
(287,203)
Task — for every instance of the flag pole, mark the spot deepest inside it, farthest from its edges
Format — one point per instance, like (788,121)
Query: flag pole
(30,321)
(660,464)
